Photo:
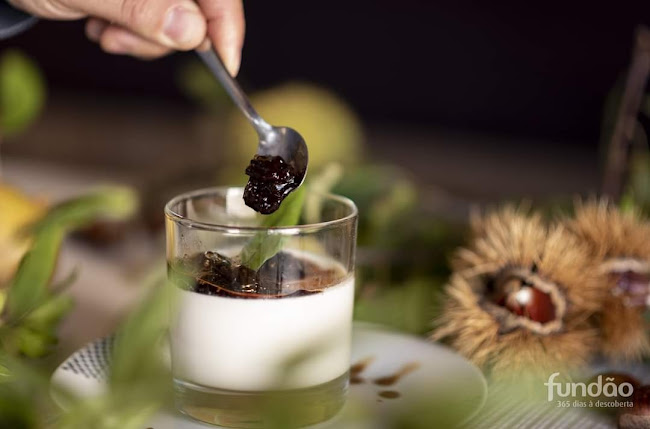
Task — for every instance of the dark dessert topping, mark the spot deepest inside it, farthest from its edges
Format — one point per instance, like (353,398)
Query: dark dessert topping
(284,275)
(271,179)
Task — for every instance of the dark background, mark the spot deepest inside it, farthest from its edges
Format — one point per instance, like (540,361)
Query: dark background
(510,67)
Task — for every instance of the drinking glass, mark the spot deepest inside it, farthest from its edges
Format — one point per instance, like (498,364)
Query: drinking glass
(249,340)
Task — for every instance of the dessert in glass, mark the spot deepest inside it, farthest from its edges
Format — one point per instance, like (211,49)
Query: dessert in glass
(259,313)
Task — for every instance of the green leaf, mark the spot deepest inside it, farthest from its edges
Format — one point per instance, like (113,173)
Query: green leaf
(266,244)
(33,343)
(627,203)
(138,341)
(47,316)
(399,199)
(66,282)
(24,395)
(139,380)
(118,409)
(35,334)
(639,177)
(327,178)
(22,92)
(29,286)
(5,374)
(33,312)
(112,202)
(17,411)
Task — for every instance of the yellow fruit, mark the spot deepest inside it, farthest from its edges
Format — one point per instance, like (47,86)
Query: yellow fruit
(330,128)
(16,211)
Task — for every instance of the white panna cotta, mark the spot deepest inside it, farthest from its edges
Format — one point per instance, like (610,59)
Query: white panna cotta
(262,344)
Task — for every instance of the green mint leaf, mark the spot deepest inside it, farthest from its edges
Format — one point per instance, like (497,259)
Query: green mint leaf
(46,317)
(328,177)
(34,344)
(137,351)
(264,245)
(112,202)
(29,286)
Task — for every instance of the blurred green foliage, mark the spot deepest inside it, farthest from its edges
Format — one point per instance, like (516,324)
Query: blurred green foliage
(637,191)
(105,203)
(22,92)
(403,249)
(139,381)
(198,84)
(402,266)
(408,307)
(28,287)
(34,307)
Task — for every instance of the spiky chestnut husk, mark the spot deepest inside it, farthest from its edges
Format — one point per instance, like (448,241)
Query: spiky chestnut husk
(620,243)
(484,317)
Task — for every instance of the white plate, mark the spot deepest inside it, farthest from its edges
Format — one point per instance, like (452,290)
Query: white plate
(438,373)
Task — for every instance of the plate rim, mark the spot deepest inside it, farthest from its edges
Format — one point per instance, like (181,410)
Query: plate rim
(363,325)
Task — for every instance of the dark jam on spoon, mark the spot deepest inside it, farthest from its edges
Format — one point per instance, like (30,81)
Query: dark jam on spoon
(271,180)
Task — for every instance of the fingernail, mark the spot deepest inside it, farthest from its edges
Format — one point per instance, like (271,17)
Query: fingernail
(94,29)
(181,25)
(232,59)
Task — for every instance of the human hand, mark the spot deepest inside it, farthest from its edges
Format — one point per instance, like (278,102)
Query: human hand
(152,28)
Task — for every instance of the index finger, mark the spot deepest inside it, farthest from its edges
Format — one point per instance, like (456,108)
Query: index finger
(226,27)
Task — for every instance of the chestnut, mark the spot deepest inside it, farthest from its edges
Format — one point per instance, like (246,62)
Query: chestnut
(525,300)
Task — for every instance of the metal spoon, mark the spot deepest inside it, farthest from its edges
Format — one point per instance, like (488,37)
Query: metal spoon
(284,142)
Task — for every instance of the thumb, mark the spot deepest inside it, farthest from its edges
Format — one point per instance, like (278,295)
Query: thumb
(177,24)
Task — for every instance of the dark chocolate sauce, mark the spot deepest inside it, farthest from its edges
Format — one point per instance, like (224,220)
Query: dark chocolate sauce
(282,276)
(360,366)
(390,394)
(271,179)
(392,379)
(357,368)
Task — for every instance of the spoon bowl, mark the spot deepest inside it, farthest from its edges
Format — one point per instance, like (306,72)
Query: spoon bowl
(289,145)
(284,142)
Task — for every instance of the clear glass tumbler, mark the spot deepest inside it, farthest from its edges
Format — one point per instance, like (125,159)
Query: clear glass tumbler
(260,315)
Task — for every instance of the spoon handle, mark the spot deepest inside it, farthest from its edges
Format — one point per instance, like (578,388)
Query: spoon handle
(214,63)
